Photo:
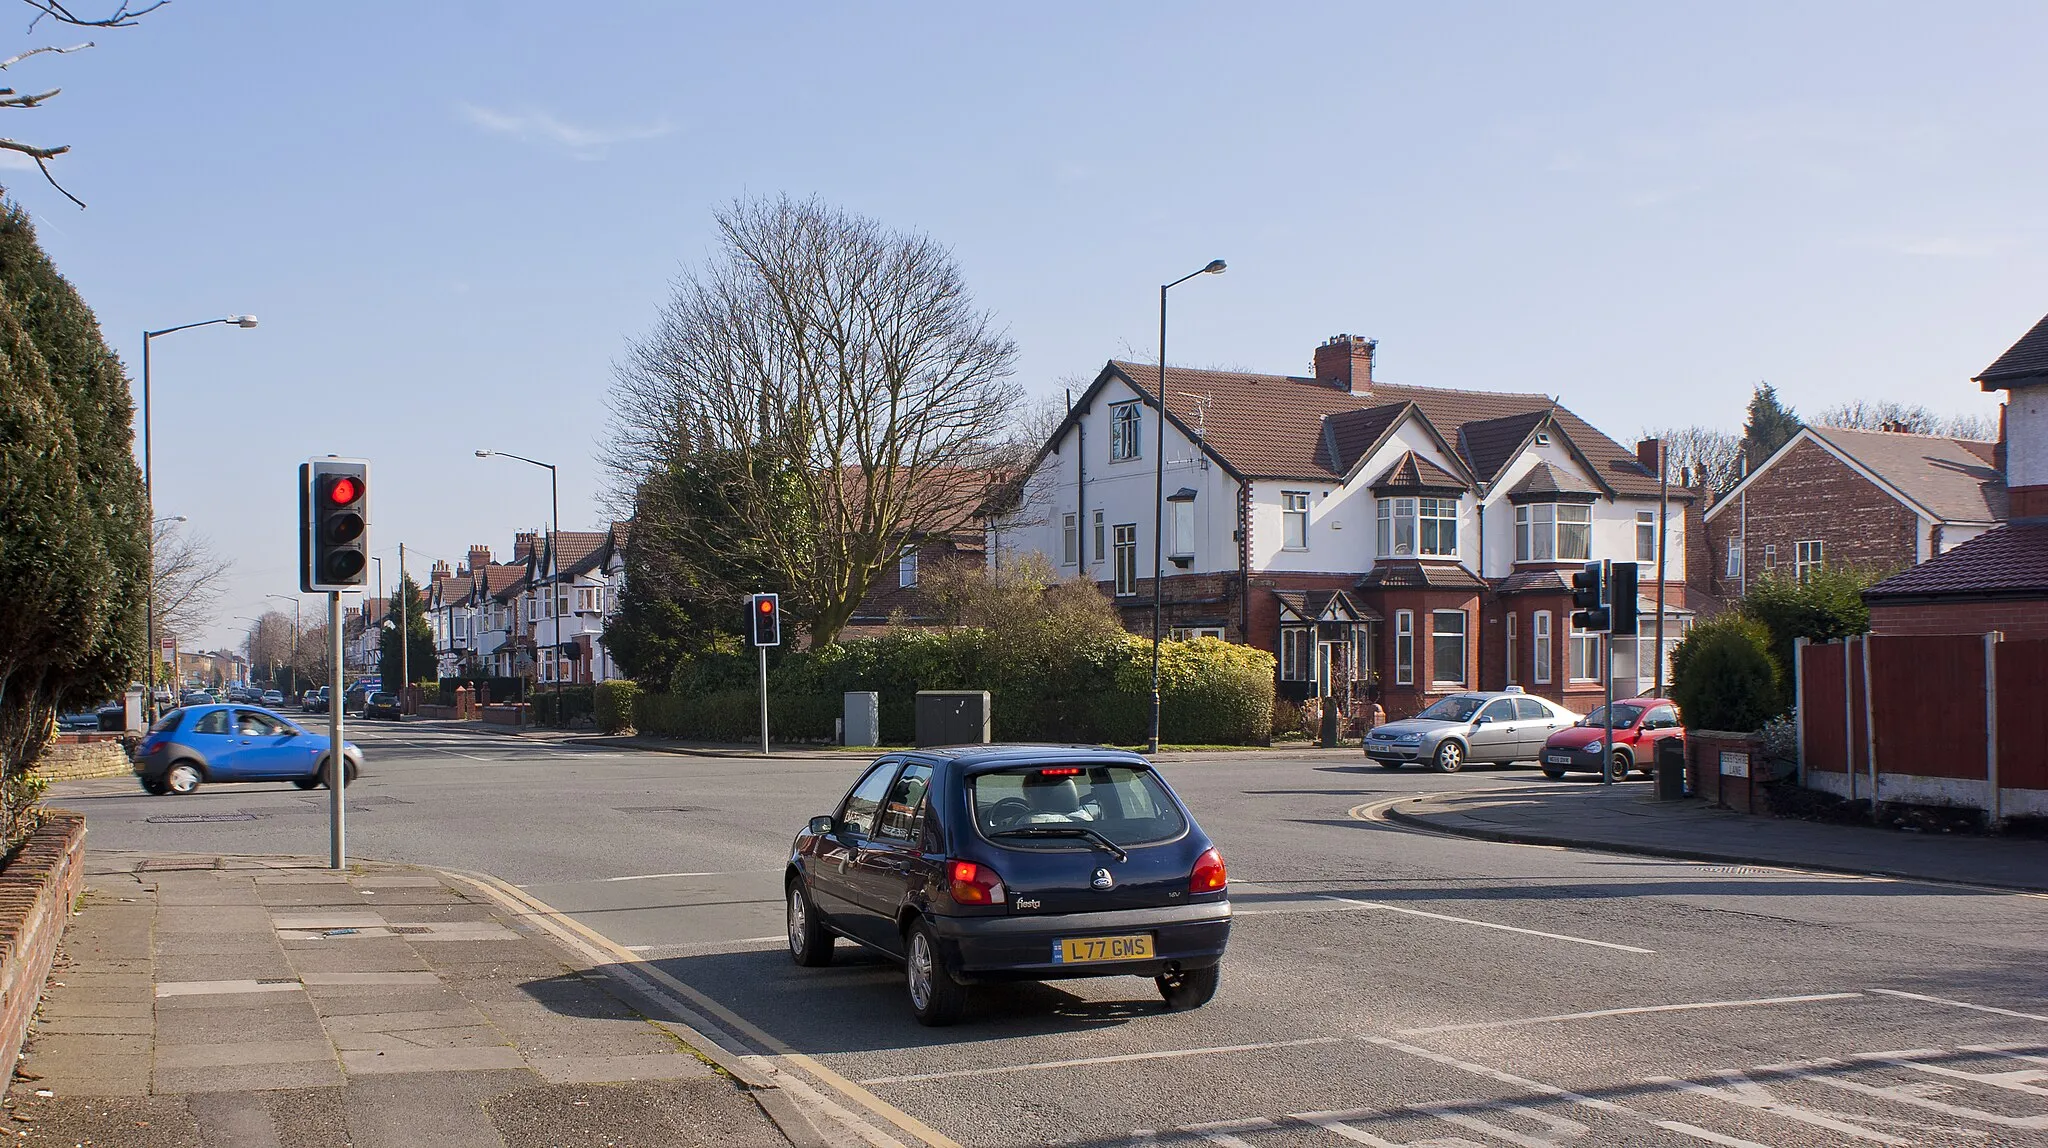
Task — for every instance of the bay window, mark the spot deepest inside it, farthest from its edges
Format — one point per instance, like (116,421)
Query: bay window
(1412,526)
(1553,532)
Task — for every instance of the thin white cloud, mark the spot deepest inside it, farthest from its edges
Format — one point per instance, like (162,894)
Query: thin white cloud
(582,141)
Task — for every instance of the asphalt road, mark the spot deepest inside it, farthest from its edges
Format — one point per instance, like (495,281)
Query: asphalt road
(1384,987)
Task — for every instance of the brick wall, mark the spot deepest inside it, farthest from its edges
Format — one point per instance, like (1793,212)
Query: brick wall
(77,755)
(2017,618)
(1809,494)
(37,889)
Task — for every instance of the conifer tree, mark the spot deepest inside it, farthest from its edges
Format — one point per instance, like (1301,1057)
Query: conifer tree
(1771,425)
(419,659)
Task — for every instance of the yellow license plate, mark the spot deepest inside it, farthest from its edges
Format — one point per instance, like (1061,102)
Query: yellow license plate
(1088,950)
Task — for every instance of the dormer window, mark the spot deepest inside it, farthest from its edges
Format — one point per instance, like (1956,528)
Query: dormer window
(1413,527)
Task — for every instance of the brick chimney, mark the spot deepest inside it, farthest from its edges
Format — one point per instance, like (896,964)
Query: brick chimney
(1646,454)
(439,573)
(1345,362)
(523,544)
(479,557)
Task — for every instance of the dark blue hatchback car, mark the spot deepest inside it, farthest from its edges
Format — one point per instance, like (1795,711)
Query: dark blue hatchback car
(984,863)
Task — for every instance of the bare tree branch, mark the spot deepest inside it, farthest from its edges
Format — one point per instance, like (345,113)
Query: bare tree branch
(121,17)
(8,99)
(188,581)
(13,60)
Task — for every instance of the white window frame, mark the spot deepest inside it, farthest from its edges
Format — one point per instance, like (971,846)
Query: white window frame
(532,608)
(1190,633)
(1297,653)
(906,570)
(1734,566)
(1126,431)
(1540,641)
(1070,539)
(1124,554)
(1808,557)
(1438,634)
(1513,647)
(1585,551)
(589,599)
(1404,647)
(1180,540)
(1770,555)
(1646,536)
(1585,655)
(1294,520)
(1101,548)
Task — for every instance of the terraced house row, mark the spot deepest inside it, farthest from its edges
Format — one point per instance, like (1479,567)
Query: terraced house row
(529,617)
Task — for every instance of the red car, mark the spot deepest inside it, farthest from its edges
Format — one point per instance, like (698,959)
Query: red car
(1639,724)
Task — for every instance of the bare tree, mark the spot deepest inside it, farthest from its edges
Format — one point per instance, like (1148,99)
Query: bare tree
(189,578)
(1912,418)
(124,15)
(840,375)
(1711,455)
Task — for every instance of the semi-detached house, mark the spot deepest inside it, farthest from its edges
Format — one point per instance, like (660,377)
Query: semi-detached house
(1372,536)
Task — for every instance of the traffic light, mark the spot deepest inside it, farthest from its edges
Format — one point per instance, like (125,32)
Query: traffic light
(334,524)
(1621,597)
(767,619)
(1590,614)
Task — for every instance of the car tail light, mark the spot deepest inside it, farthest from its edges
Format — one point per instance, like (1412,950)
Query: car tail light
(974,884)
(1209,873)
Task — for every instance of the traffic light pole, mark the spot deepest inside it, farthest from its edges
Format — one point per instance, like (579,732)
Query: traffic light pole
(763,651)
(337,760)
(1607,776)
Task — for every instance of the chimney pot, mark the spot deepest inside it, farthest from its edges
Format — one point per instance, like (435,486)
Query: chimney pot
(1345,362)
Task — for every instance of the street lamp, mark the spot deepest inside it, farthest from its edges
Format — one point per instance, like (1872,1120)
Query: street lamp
(554,570)
(1215,267)
(293,599)
(148,492)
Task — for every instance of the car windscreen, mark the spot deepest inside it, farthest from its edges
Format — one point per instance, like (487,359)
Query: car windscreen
(168,722)
(1625,715)
(1127,804)
(1459,707)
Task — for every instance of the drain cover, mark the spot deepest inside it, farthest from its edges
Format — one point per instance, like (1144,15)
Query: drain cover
(196,818)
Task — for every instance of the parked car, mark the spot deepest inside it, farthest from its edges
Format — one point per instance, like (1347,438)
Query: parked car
(1500,728)
(84,721)
(272,697)
(316,700)
(1000,863)
(1639,724)
(383,706)
(197,698)
(217,743)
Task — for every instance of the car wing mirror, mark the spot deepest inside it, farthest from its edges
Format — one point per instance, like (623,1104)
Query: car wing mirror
(1481,720)
(824,826)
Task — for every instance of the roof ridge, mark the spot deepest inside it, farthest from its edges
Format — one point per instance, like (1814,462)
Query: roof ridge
(1819,427)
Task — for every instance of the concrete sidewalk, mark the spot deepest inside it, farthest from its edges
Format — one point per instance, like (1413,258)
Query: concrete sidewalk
(1627,819)
(267,1002)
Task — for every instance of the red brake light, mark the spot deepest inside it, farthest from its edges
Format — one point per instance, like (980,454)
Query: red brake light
(1063,771)
(1209,874)
(975,884)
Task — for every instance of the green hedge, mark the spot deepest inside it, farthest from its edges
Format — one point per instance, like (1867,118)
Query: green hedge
(579,701)
(614,706)
(1723,676)
(501,689)
(735,715)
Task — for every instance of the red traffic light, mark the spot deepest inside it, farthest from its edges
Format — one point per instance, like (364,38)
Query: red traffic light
(767,605)
(343,490)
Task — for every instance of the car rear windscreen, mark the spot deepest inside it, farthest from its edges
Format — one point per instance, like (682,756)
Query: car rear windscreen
(1127,804)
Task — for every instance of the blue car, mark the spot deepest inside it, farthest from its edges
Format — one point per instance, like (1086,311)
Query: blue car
(199,744)
(978,864)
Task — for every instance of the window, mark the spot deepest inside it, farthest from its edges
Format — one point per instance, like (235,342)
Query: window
(532,609)
(904,809)
(1100,547)
(1296,646)
(1128,805)
(1770,555)
(1126,424)
(249,723)
(906,569)
(1447,647)
(215,722)
(1585,655)
(1807,562)
(1070,539)
(1294,519)
(1418,526)
(1499,710)
(1190,633)
(1126,558)
(1404,647)
(1646,536)
(1539,633)
(1553,532)
(1734,569)
(858,814)
(588,599)
(1662,717)
(1529,709)
(561,601)
(1180,542)
(1513,675)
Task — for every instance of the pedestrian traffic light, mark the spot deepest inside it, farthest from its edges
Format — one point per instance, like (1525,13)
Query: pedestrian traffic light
(767,619)
(334,524)
(1621,596)
(1586,591)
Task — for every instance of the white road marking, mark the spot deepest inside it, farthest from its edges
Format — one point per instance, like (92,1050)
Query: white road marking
(658,876)
(1083,1062)
(1220,1131)
(1960,1004)
(2010,1050)
(2024,1080)
(1605,1012)
(1560,1128)
(1487,925)
(449,752)
(1743,1092)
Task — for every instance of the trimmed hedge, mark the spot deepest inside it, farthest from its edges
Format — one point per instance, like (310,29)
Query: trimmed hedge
(579,701)
(735,716)
(1723,675)
(614,706)
(502,690)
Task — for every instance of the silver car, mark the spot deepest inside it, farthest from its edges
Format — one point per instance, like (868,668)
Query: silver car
(1500,728)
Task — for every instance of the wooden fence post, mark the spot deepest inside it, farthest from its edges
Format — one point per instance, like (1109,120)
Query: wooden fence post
(1870,727)
(1799,706)
(1848,723)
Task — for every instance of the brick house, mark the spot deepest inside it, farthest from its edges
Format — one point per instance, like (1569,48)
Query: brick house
(895,597)
(1413,540)
(1878,499)
(1999,579)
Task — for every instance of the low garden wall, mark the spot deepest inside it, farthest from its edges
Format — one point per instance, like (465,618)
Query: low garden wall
(37,890)
(504,715)
(1728,769)
(71,756)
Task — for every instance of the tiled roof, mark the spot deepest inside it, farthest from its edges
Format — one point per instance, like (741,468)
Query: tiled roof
(2008,561)
(1490,444)
(1532,582)
(1271,426)
(2024,360)
(1951,477)
(1420,575)
(1546,479)
(576,545)
(1413,472)
(1349,434)
(1312,603)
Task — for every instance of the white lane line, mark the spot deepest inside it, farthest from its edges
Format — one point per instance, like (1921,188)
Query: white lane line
(1960,1004)
(1488,925)
(1738,1089)
(1605,1012)
(1083,1062)
(658,876)
(438,749)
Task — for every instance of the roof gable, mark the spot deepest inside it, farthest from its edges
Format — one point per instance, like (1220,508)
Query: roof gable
(1413,472)
(2010,561)
(2024,362)
(1941,479)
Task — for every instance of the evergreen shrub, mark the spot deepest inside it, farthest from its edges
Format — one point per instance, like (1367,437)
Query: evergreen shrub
(614,705)
(1723,675)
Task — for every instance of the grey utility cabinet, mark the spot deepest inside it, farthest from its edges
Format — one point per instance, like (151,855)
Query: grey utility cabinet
(863,718)
(952,717)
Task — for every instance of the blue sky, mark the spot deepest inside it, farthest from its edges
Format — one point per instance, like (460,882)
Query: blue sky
(451,217)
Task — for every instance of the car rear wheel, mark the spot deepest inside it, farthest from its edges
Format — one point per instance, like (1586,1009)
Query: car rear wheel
(935,997)
(810,942)
(1450,757)
(1189,988)
(182,779)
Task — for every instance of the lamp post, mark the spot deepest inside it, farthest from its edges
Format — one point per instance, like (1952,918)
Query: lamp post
(1215,267)
(379,564)
(149,493)
(554,569)
(293,599)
